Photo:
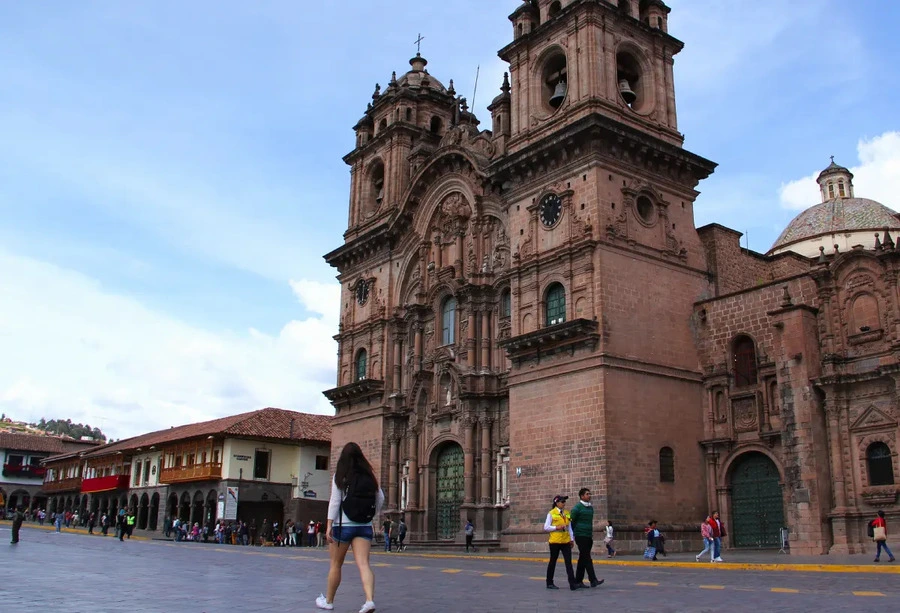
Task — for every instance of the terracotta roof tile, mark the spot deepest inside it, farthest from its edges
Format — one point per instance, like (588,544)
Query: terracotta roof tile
(40,443)
(269,423)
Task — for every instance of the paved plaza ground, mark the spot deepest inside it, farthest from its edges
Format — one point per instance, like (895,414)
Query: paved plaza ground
(77,573)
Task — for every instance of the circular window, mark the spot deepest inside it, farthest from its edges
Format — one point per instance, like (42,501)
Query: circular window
(632,86)
(554,81)
(645,209)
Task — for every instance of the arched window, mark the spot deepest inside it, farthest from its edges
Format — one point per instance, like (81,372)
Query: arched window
(556,304)
(505,304)
(448,321)
(360,366)
(865,314)
(880,464)
(555,8)
(667,465)
(436,125)
(744,356)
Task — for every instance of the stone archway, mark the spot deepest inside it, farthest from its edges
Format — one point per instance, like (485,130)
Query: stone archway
(757,503)
(197,508)
(449,488)
(154,512)
(209,518)
(184,511)
(143,512)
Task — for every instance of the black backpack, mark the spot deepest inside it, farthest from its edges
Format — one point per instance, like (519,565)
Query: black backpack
(870,530)
(360,497)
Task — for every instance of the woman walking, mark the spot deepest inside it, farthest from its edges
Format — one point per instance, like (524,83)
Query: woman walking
(608,540)
(356,500)
(708,541)
(559,525)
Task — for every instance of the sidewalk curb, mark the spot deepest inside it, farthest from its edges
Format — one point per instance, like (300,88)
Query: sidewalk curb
(755,566)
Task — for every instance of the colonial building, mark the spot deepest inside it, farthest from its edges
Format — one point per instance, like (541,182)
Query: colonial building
(269,464)
(530,309)
(23,474)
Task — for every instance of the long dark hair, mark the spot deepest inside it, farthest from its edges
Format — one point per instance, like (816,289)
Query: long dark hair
(352,462)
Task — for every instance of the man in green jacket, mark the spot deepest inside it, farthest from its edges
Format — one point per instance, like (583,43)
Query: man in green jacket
(583,527)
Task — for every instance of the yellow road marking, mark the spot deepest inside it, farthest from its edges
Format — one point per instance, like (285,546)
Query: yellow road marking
(647,583)
(868,594)
(492,575)
(451,571)
(712,587)
(382,564)
(537,578)
(415,567)
(784,590)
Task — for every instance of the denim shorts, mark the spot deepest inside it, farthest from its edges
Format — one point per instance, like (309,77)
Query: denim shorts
(346,534)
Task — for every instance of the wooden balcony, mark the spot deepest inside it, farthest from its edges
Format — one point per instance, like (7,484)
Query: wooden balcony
(62,485)
(196,472)
(105,484)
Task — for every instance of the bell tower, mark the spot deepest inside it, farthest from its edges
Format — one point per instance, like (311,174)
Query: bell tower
(572,58)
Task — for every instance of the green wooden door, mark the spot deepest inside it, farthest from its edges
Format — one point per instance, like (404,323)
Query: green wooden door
(756,503)
(450,490)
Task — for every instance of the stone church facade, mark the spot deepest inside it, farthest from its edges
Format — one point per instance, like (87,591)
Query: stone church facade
(530,309)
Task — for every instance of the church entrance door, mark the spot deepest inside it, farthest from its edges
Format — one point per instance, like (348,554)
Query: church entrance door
(450,490)
(756,502)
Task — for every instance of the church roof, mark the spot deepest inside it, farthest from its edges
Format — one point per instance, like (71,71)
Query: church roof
(837,216)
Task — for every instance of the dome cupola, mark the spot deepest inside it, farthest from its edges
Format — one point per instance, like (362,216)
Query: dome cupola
(835,182)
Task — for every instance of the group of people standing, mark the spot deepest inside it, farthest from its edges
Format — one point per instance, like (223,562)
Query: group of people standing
(575,527)
(712,530)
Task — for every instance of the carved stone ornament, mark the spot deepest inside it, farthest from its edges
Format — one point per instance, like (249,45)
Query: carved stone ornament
(745,414)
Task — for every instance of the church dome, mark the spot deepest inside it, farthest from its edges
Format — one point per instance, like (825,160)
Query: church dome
(418,77)
(840,219)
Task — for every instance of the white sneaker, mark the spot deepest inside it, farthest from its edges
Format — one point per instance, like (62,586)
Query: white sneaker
(719,559)
(698,558)
(324,604)
(367,607)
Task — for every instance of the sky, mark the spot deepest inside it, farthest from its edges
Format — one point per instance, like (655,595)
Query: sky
(171,174)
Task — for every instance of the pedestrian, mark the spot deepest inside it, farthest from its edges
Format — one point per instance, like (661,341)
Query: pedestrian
(104,524)
(58,521)
(470,535)
(129,523)
(879,534)
(320,534)
(708,541)
(718,531)
(311,534)
(386,530)
(92,521)
(401,535)
(559,525)
(582,516)
(167,526)
(253,531)
(653,540)
(18,518)
(608,541)
(355,501)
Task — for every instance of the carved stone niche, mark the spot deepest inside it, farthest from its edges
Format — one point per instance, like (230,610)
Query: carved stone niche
(880,496)
(745,412)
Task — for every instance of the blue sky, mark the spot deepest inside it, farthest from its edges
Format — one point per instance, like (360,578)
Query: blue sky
(171,173)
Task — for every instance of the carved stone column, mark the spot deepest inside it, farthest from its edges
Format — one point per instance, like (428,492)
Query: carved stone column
(486,464)
(470,338)
(393,473)
(417,348)
(412,498)
(397,365)
(712,459)
(832,411)
(460,261)
(469,461)
(485,339)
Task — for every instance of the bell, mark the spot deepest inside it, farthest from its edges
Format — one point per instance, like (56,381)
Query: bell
(625,90)
(559,94)
(380,196)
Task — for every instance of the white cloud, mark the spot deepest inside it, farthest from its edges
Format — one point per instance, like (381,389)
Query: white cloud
(877,176)
(74,350)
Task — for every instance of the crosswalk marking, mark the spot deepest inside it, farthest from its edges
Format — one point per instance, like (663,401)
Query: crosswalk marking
(537,578)
(382,564)
(452,571)
(492,575)
(712,587)
(784,590)
(868,594)
(415,567)
(647,583)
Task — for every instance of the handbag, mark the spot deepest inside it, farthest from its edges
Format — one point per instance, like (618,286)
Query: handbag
(880,534)
(649,553)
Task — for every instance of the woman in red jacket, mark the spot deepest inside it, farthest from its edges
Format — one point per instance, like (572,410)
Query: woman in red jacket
(879,527)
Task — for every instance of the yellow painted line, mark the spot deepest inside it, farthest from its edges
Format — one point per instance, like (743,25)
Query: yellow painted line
(784,590)
(647,583)
(492,574)
(271,555)
(868,594)
(382,564)
(415,568)
(712,587)
(537,578)
(452,571)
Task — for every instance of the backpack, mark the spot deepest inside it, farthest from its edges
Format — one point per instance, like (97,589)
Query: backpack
(360,497)
(870,529)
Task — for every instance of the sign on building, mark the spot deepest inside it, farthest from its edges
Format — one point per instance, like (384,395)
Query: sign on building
(231,503)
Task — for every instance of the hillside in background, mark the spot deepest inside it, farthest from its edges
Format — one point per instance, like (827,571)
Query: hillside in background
(63,427)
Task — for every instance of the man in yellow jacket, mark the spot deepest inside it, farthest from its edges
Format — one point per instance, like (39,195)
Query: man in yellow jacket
(559,525)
